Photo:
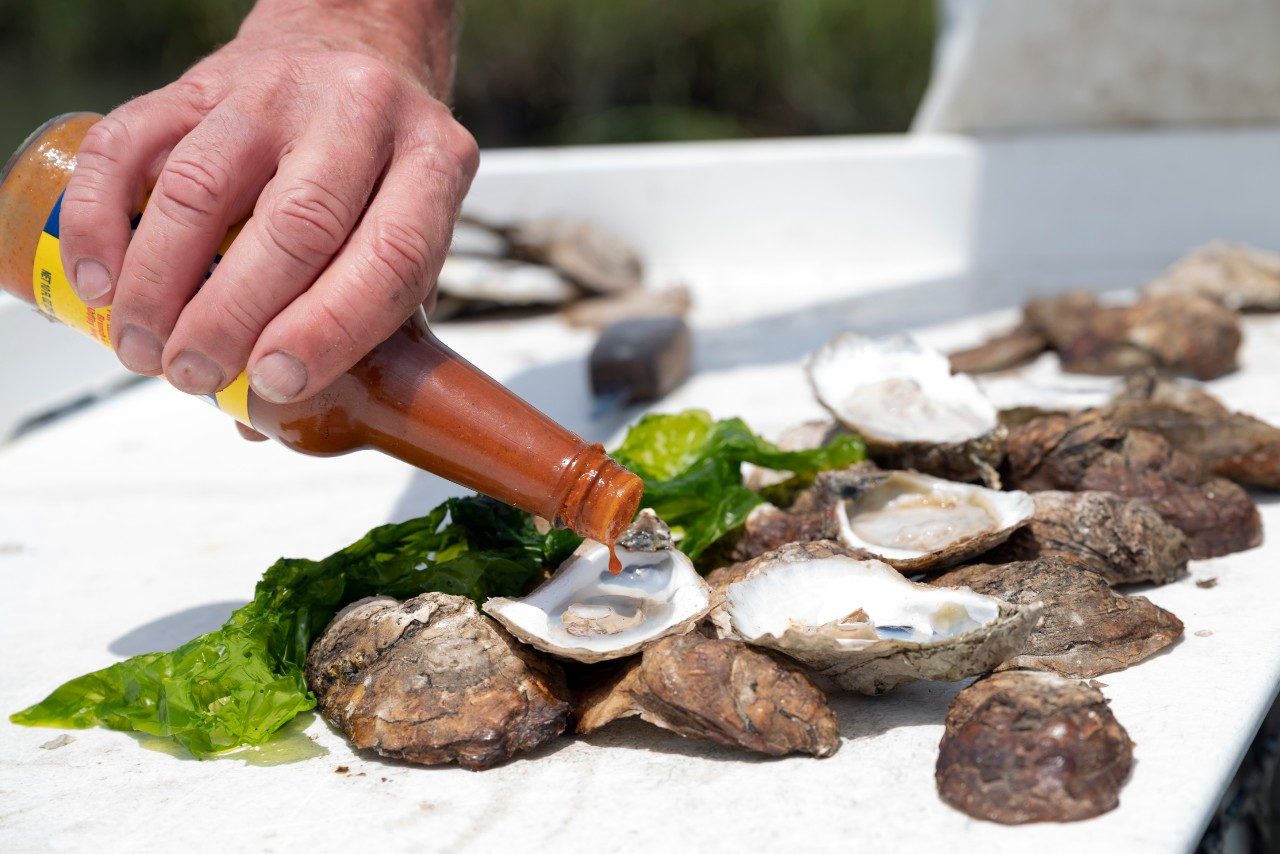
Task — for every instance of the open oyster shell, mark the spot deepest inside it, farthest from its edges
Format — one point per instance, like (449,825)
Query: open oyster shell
(915,522)
(909,408)
(862,624)
(587,614)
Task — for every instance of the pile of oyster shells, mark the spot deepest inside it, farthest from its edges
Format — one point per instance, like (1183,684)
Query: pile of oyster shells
(581,268)
(977,541)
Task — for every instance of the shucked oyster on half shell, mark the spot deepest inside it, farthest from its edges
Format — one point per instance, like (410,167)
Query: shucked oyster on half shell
(915,522)
(587,614)
(909,408)
(862,624)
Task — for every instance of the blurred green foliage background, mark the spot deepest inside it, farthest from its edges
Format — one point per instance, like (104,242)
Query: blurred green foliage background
(534,72)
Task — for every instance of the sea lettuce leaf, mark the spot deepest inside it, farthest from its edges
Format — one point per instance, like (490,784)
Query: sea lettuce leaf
(237,685)
(692,470)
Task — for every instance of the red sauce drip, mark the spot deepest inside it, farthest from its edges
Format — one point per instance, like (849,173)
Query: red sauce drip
(615,565)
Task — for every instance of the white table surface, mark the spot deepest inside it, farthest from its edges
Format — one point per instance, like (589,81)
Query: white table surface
(143,520)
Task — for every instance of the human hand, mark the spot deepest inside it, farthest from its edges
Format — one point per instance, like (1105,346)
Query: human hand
(323,125)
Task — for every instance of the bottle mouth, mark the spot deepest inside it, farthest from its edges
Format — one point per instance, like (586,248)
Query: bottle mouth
(603,497)
(31,140)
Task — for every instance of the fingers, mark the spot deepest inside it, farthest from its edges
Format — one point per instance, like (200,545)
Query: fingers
(300,222)
(106,188)
(207,183)
(378,279)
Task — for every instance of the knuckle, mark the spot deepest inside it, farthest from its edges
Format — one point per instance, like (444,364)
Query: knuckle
(308,223)
(103,144)
(399,256)
(198,89)
(369,78)
(192,188)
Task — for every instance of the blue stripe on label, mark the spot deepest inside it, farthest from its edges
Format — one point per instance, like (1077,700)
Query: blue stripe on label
(51,225)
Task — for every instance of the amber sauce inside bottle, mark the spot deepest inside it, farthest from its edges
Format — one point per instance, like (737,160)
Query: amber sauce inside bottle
(412,397)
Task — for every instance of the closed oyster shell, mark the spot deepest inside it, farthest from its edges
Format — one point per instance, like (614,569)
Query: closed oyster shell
(860,623)
(1091,452)
(1236,276)
(909,408)
(1022,747)
(1122,539)
(431,680)
(1233,445)
(1086,628)
(595,258)
(586,613)
(720,690)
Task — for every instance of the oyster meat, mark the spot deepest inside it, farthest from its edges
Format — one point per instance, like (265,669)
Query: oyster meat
(586,613)
(1180,333)
(909,408)
(1122,539)
(1233,445)
(1087,629)
(720,690)
(862,624)
(917,523)
(431,680)
(1238,277)
(911,521)
(1091,452)
(1022,747)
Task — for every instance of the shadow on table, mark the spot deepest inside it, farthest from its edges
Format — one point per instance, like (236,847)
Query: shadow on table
(912,705)
(175,629)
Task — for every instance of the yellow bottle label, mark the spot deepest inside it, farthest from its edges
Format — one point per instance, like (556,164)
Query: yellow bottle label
(56,299)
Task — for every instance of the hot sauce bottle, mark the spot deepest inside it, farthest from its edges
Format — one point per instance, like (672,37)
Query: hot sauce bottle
(412,397)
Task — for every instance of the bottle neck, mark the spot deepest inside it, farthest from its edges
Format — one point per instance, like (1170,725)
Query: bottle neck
(426,405)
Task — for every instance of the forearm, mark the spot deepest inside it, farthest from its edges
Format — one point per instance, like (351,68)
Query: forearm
(417,35)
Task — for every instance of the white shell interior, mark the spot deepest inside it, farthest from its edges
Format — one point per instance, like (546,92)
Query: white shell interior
(822,593)
(910,515)
(894,390)
(585,607)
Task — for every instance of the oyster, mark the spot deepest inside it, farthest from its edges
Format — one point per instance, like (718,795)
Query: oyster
(1233,445)
(1122,539)
(804,436)
(586,613)
(909,408)
(910,521)
(502,282)
(915,522)
(1091,452)
(431,680)
(591,256)
(862,624)
(1002,351)
(1238,277)
(1022,747)
(1042,387)
(1180,333)
(720,690)
(1087,629)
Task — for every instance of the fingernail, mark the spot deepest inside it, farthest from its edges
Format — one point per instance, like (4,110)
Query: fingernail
(92,279)
(194,373)
(139,350)
(278,377)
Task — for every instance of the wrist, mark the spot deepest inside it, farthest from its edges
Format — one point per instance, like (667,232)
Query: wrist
(417,35)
